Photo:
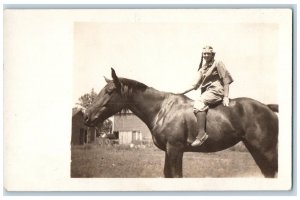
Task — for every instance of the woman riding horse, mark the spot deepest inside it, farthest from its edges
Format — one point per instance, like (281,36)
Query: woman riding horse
(172,123)
(214,80)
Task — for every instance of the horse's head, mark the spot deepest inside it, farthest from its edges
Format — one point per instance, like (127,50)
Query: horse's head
(108,102)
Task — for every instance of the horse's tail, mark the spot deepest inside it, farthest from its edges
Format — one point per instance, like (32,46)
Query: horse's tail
(273,107)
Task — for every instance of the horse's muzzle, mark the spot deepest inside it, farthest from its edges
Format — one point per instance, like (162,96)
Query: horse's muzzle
(90,120)
(87,119)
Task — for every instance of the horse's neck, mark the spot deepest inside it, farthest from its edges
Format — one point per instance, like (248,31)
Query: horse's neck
(146,104)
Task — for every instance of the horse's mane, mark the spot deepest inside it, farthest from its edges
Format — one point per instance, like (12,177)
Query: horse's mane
(128,87)
(132,84)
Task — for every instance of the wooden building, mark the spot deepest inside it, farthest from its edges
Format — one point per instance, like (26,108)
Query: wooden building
(81,134)
(128,128)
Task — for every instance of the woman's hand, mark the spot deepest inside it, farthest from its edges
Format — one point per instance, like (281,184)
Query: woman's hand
(226,101)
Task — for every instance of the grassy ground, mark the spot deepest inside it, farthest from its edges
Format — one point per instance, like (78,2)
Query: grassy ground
(125,162)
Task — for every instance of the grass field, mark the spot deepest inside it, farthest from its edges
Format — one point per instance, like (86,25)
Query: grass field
(124,162)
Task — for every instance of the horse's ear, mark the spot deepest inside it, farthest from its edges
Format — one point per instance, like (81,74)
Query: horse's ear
(106,79)
(115,78)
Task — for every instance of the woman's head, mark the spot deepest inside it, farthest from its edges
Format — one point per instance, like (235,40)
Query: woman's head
(208,53)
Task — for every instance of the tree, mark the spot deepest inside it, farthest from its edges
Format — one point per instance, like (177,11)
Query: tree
(85,101)
(105,127)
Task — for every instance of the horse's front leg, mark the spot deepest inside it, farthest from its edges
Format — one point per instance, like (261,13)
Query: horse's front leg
(173,161)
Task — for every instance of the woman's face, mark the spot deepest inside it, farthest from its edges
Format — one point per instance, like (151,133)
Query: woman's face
(207,56)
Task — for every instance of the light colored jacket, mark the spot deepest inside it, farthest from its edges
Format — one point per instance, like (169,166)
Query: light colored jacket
(213,76)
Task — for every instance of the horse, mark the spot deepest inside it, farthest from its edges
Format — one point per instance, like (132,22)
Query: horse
(172,123)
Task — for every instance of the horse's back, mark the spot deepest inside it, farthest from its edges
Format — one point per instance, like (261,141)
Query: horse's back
(241,109)
(225,125)
(242,115)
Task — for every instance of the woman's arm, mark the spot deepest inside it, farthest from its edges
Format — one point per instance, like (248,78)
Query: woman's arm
(226,79)
(188,90)
(226,93)
(224,73)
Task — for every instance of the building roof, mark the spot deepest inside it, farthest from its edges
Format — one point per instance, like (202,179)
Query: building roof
(77,112)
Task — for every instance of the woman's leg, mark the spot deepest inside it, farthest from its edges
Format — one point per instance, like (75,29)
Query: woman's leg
(200,110)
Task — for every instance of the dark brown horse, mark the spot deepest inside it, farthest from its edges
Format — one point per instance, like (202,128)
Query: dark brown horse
(172,123)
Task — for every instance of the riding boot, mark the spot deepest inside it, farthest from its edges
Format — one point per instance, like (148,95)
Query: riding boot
(201,121)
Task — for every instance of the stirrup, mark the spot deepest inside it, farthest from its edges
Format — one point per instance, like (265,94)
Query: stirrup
(199,141)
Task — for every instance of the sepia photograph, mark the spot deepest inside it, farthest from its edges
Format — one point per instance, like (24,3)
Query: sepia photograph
(140,96)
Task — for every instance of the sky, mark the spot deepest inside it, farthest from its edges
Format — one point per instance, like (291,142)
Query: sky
(163,50)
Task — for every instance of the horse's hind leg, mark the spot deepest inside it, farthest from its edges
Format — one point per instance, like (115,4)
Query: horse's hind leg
(173,161)
(265,155)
